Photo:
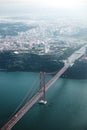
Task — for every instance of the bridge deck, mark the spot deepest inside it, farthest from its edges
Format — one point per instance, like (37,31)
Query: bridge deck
(31,102)
(35,98)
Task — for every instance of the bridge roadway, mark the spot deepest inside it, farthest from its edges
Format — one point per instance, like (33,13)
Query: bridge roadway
(35,98)
(31,102)
(76,55)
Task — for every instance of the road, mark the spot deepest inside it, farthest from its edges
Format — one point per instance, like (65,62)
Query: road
(68,63)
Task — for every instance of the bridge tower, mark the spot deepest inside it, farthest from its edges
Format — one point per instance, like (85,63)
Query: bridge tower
(43,88)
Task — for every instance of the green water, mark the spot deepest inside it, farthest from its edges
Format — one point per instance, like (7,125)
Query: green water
(66,108)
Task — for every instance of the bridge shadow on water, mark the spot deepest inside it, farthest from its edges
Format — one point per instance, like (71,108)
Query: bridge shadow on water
(52,118)
(56,91)
(64,108)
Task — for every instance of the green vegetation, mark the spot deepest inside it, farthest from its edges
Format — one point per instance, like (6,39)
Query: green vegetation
(25,60)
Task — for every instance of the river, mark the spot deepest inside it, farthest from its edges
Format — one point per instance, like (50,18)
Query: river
(66,106)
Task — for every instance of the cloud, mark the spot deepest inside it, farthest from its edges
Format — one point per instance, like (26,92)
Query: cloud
(59,4)
(43,2)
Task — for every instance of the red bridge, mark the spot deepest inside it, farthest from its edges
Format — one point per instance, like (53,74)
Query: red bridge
(32,101)
(19,114)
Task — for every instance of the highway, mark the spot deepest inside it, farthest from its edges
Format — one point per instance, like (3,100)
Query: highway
(31,102)
(76,55)
(68,63)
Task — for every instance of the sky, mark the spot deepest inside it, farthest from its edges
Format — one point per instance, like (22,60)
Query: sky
(48,3)
(39,5)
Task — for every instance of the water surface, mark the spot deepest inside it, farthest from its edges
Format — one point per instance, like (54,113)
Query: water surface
(66,108)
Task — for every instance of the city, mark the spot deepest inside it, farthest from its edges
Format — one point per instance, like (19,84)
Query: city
(40,36)
(43,65)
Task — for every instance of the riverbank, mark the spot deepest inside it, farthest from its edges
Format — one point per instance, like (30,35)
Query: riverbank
(9,61)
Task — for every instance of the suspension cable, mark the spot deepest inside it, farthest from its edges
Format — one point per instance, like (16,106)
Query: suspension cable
(25,98)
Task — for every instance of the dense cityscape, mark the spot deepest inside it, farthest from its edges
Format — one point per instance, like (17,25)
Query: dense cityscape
(43,65)
(41,36)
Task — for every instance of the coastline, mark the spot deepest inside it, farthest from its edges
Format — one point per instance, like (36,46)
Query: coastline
(10,62)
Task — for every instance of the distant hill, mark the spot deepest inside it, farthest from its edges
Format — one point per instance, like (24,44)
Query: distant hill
(9,61)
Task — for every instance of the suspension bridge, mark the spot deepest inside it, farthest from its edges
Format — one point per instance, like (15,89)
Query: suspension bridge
(41,92)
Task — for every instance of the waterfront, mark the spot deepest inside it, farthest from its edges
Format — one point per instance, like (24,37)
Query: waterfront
(66,108)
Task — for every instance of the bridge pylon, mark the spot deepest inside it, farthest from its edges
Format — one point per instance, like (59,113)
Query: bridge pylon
(43,88)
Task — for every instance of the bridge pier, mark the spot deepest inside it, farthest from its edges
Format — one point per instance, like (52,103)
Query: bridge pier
(42,85)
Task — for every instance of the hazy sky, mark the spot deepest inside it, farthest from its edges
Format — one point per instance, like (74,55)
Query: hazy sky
(14,5)
(48,3)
